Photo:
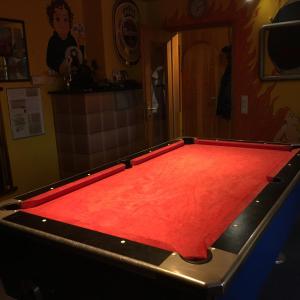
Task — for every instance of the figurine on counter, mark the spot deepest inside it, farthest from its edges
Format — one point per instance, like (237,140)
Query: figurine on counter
(63,53)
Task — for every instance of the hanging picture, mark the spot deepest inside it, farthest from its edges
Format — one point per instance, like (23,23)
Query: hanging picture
(13,51)
(26,113)
(126,31)
(65,49)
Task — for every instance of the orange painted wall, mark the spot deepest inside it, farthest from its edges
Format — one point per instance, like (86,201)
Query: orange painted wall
(274,107)
(93,21)
(33,160)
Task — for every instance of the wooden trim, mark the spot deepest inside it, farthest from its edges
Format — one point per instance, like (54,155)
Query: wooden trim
(6,184)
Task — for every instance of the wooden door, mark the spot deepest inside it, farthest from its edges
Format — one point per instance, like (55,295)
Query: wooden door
(202,69)
(199,91)
(154,65)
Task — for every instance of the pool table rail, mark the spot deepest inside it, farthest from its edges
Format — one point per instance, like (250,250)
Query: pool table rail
(209,277)
(212,278)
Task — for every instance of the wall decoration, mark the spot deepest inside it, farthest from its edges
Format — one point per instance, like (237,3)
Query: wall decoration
(25,108)
(197,8)
(78,31)
(63,52)
(280,46)
(126,31)
(13,51)
(290,130)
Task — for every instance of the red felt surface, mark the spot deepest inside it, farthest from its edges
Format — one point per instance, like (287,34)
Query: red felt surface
(153,154)
(70,187)
(181,201)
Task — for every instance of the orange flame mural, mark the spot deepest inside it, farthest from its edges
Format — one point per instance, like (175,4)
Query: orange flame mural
(267,109)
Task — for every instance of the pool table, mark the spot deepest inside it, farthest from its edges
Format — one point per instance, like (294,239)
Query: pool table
(191,218)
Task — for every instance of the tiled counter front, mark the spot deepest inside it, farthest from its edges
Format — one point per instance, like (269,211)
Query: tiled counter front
(95,128)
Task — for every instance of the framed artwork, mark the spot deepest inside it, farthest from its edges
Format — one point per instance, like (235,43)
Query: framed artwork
(13,51)
(126,28)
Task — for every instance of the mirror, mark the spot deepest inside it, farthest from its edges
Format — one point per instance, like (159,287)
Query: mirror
(280,45)
(279,51)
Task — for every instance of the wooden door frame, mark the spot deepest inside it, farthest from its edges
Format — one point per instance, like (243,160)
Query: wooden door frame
(174,58)
(146,34)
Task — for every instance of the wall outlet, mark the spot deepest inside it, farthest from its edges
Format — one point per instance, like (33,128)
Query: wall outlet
(244,104)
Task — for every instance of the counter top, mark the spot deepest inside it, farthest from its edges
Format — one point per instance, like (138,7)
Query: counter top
(100,88)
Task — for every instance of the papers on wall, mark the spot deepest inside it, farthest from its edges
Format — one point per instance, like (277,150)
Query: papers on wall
(26,115)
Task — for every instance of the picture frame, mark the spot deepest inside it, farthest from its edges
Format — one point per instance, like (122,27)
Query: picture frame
(126,28)
(279,48)
(14,65)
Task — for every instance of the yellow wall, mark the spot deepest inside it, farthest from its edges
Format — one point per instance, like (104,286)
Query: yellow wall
(33,160)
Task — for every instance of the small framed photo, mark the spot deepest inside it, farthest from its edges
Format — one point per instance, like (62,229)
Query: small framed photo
(13,51)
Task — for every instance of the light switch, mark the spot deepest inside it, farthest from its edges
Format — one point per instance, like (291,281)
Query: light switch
(244,104)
